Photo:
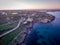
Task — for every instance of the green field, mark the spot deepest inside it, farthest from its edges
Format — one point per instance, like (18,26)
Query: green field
(7,27)
(9,37)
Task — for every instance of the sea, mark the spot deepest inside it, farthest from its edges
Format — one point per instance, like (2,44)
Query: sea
(45,34)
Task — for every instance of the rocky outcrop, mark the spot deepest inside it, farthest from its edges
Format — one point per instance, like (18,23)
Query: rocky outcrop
(43,17)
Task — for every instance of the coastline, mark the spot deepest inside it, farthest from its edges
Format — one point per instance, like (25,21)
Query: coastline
(27,28)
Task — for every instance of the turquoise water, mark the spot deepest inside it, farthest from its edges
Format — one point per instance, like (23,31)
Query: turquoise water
(45,34)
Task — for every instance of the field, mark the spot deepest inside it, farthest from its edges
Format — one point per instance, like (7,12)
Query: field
(7,27)
(9,37)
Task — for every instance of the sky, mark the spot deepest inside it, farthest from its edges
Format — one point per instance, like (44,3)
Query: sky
(29,4)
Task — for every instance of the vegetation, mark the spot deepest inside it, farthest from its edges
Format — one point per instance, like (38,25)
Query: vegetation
(7,27)
(3,19)
(9,37)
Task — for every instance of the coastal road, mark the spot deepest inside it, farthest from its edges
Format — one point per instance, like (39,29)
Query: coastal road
(20,21)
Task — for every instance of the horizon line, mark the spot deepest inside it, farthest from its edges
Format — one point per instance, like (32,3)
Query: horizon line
(32,9)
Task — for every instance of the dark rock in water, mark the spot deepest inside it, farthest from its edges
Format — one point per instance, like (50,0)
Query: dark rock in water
(42,37)
(44,43)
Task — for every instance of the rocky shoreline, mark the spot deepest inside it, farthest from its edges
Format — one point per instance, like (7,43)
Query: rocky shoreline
(44,17)
(41,17)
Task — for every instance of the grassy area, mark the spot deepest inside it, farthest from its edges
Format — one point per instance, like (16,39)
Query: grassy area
(9,37)
(6,27)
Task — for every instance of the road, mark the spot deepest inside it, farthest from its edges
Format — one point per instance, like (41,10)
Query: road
(20,21)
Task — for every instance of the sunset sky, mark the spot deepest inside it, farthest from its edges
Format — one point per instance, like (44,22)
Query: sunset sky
(29,4)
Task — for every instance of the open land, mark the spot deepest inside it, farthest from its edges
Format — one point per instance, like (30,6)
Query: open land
(15,25)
